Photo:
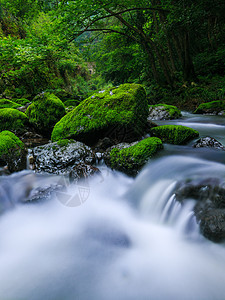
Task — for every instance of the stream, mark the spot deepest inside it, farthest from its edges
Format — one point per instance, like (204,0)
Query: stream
(128,240)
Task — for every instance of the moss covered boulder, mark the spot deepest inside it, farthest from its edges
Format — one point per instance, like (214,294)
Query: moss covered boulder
(13,120)
(22,101)
(5,103)
(131,159)
(214,108)
(174,134)
(163,112)
(45,111)
(119,113)
(12,151)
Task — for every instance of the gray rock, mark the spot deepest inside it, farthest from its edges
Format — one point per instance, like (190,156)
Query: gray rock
(163,112)
(158,113)
(61,159)
(208,142)
(210,206)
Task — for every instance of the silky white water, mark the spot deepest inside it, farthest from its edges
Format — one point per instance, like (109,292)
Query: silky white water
(129,240)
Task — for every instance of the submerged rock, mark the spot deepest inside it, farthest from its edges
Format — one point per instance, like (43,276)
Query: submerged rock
(209,142)
(117,113)
(61,157)
(82,171)
(130,158)
(12,151)
(210,207)
(213,108)
(163,112)
(174,134)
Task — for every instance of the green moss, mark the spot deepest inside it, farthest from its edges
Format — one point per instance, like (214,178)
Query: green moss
(211,107)
(5,103)
(10,143)
(13,119)
(123,106)
(173,111)
(22,101)
(71,102)
(45,111)
(174,134)
(134,157)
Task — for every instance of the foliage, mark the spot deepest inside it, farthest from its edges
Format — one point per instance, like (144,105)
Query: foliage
(41,60)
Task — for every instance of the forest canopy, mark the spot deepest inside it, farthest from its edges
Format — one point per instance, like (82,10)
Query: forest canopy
(165,45)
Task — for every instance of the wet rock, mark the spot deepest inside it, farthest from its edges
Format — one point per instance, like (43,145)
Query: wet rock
(82,171)
(208,142)
(163,112)
(61,157)
(103,144)
(210,207)
(131,158)
(32,139)
(24,107)
(42,193)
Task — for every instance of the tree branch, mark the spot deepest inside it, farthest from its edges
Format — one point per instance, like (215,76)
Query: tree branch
(116,14)
(103,30)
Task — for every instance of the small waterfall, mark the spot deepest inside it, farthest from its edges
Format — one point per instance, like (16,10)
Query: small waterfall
(129,240)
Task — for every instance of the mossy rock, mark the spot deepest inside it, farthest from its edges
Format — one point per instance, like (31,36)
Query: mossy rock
(130,160)
(22,101)
(164,112)
(5,103)
(13,120)
(174,134)
(12,151)
(45,111)
(110,113)
(213,107)
(71,102)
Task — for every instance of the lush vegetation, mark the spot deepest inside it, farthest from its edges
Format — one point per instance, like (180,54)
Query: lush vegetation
(73,48)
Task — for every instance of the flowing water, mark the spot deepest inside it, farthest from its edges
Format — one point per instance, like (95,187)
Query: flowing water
(128,240)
